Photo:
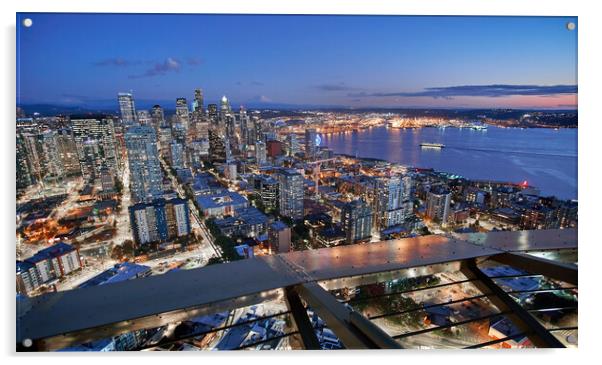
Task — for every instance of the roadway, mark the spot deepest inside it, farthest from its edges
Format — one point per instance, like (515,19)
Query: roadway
(197,223)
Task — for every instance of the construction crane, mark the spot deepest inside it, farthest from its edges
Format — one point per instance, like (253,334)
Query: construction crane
(316,170)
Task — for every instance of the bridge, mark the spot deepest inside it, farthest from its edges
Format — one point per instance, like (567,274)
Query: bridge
(306,280)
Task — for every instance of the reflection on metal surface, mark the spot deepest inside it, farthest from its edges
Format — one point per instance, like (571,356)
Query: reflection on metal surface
(99,312)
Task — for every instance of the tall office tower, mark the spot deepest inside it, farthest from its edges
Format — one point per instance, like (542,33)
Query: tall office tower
(437,205)
(244,127)
(229,125)
(144,117)
(261,154)
(94,138)
(217,147)
(292,144)
(182,113)
(311,146)
(225,111)
(251,131)
(157,117)
(176,156)
(25,178)
(68,152)
(212,113)
(127,108)
(392,203)
(356,219)
(145,170)
(225,107)
(49,150)
(290,187)
(198,104)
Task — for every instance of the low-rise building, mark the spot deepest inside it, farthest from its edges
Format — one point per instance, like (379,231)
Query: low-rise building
(246,222)
(46,265)
(120,272)
(221,203)
(279,237)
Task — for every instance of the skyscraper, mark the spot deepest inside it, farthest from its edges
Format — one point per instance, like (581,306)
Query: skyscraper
(292,144)
(356,219)
(212,113)
(261,153)
(68,152)
(198,105)
(182,112)
(127,108)
(145,170)
(290,186)
(157,116)
(310,143)
(25,177)
(94,137)
(176,155)
(49,150)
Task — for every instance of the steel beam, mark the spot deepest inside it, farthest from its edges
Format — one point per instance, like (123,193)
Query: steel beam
(353,329)
(308,334)
(92,333)
(533,264)
(525,322)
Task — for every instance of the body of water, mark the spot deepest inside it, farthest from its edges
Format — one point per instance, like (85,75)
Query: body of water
(545,158)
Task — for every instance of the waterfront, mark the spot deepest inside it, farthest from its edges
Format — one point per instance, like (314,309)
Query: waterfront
(545,158)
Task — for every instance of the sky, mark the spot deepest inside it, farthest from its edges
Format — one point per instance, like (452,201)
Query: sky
(285,60)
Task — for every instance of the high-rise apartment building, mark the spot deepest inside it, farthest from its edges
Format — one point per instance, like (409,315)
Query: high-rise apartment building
(145,170)
(94,137)
(438,204)
(392,200)
(356,219)
(160,220)
(290,187)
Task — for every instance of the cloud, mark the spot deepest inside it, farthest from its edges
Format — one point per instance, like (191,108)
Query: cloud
(116,62)
(262,99)
(194,61)
(334,87)
(161,68)
(494,91)
(252,83)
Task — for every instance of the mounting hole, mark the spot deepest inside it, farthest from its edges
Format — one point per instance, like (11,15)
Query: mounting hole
(570,26)
(27,342)
(27,22)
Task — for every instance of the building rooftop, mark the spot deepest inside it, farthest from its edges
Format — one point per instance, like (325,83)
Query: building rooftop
(119,272)
(278,226)
(220,199)
(57,250)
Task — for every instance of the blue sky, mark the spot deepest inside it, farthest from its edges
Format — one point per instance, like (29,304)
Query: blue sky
(356,61)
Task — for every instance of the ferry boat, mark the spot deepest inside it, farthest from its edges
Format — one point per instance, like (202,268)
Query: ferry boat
(432,145)
(478,127)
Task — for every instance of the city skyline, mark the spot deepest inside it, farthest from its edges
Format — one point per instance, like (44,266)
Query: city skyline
(327,61)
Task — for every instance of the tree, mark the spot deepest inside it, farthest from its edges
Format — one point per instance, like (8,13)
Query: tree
(117,252)
(129,248)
